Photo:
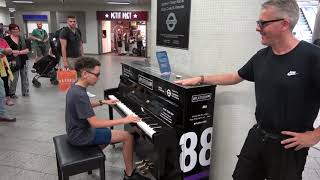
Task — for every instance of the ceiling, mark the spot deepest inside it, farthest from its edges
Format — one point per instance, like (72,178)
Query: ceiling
(91,2)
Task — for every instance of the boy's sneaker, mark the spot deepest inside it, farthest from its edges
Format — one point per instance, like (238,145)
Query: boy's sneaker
(135,176)
(13,96)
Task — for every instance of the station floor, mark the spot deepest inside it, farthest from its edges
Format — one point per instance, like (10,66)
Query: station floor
(26,147)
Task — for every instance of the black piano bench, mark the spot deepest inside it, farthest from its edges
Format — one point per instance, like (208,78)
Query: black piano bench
(72,160)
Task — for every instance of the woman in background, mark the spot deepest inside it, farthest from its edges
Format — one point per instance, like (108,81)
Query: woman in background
(5,71)
(19,52)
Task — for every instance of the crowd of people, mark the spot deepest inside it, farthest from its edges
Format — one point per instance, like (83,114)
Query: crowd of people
(14,56)
(129,43)
(15,51)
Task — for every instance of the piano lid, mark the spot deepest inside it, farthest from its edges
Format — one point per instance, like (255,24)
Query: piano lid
(154,70)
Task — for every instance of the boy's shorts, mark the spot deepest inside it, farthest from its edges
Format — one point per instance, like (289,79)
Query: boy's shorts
(102,136)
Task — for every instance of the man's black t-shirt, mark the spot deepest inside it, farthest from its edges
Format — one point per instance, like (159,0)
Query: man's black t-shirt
(287,87)
(74,41)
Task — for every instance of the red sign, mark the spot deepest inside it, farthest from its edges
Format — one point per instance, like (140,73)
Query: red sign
(122,15)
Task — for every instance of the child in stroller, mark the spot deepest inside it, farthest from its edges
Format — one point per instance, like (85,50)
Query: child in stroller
(47,66)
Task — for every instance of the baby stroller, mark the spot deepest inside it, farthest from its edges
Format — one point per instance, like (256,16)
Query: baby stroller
(47,67)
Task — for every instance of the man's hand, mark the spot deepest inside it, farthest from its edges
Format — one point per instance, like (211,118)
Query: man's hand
(131,119)
(300,140)
(15,53)
(65,64)
(190,81)
(110,102)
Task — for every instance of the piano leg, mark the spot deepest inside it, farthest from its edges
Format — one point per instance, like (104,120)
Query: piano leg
(111,118)
(110,113)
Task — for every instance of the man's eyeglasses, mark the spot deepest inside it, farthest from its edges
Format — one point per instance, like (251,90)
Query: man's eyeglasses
(96,74)
(262,24)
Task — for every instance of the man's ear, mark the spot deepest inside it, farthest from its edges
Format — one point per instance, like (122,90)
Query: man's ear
(83,74)
(286,25)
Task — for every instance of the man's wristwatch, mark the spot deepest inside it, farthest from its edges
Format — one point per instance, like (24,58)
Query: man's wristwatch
(100,102)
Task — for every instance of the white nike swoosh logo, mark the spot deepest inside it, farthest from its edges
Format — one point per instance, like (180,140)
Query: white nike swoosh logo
(292,73)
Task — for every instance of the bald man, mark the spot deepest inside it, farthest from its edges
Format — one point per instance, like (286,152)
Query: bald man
(40,40)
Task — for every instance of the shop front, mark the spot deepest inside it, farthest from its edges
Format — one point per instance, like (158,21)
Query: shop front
(122,32)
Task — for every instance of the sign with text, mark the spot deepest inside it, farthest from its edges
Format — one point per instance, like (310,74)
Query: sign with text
(173,19)
(122,15)
(35,17)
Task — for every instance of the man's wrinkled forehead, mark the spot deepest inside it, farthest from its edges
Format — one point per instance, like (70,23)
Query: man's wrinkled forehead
(72,20)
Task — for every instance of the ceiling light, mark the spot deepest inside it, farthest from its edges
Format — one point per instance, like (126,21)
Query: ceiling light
(114,2)
(12,9)
(23,2)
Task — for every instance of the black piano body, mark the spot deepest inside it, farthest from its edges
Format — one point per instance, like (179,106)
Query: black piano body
(181,116)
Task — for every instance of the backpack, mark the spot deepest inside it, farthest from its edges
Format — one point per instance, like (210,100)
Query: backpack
(57,41)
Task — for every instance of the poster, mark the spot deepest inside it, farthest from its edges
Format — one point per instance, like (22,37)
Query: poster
(173,20)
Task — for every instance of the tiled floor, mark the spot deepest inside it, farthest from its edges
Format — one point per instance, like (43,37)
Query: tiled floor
(26,148)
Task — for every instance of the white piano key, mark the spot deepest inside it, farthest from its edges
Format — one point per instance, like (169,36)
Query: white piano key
(145,127)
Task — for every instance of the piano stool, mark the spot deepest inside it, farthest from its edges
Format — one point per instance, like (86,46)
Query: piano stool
(72,160)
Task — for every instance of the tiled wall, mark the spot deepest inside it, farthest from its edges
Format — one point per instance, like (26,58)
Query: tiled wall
(222,39)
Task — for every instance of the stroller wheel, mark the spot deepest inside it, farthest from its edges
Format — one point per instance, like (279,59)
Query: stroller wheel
(36,83)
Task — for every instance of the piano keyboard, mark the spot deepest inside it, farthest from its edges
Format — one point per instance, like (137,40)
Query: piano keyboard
(144,126)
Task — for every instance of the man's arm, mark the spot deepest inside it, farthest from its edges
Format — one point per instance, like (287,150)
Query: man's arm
(221,79)
(46,37)
(34,38)
(96,123)
(81,49)
(301,140)
(102,102)
(63,43)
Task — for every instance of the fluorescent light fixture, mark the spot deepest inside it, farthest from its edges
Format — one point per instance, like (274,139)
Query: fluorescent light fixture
(23,2)
(114,2)
(12,9)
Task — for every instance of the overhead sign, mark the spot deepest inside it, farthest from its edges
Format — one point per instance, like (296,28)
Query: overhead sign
(122,15)
(35,17)
(173,19)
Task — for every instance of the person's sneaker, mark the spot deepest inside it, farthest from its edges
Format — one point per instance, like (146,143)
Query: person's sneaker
(7,119)
(9,101)
(135,176)
(14,96)
(91,95)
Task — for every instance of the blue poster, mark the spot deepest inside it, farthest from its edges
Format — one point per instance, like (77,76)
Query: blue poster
(163,61)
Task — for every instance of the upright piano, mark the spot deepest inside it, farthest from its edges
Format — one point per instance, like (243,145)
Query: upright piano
(174,136)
